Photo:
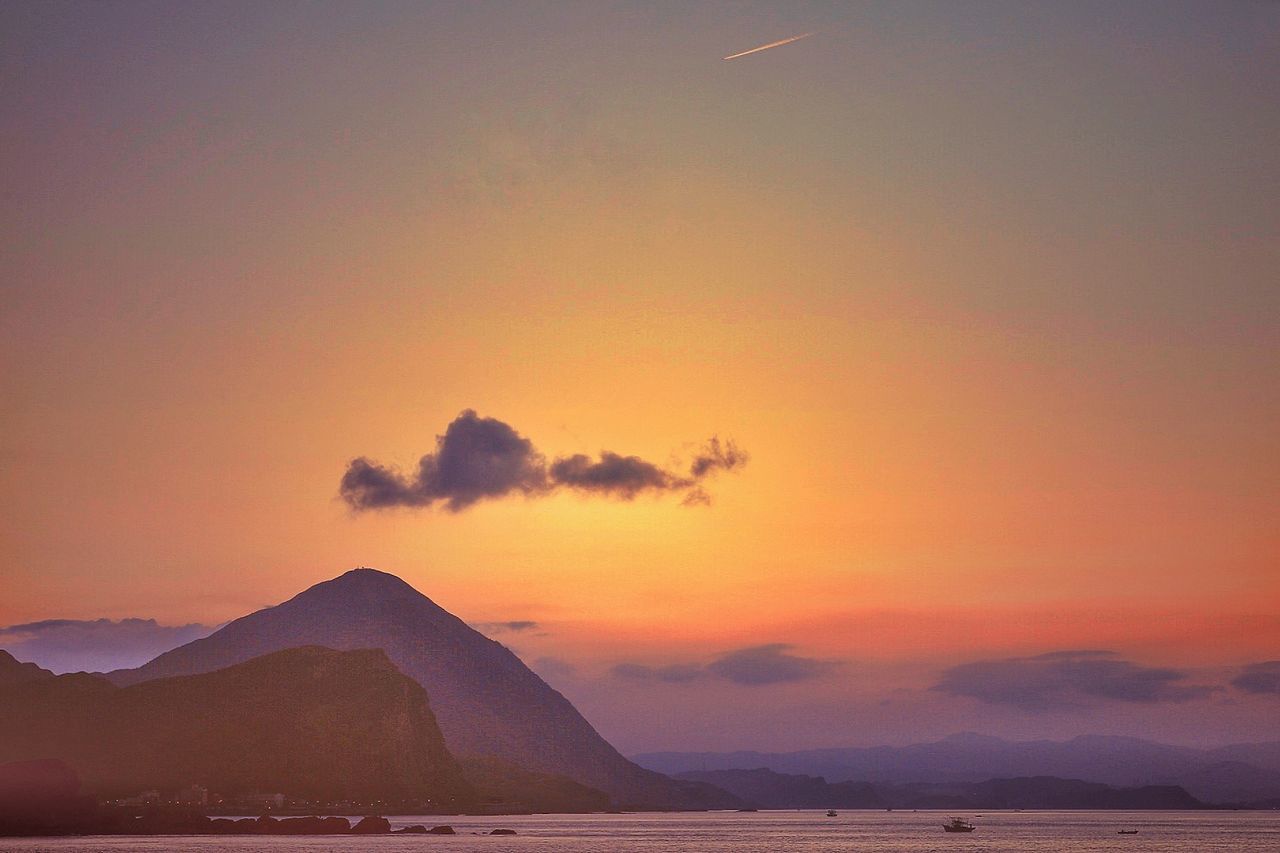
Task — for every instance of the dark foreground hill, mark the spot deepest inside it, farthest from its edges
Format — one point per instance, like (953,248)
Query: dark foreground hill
(309,722)
(766,789)
(488,703)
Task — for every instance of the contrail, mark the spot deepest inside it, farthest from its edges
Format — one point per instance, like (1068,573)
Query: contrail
(771,44)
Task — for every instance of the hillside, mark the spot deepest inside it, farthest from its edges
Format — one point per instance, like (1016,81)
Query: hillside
(308,722)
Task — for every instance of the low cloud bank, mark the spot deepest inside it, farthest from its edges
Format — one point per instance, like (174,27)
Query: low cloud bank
(1067,679)
(1261,677)
(97,645)
(752,667)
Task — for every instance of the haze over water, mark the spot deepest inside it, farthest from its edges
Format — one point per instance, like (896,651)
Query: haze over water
(762,832)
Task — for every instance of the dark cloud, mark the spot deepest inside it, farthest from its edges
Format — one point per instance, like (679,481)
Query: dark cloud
(483,458)
(1067,679)
(476,458)
(1259,678)
(768,664)
(617,476)
(755,666)
(512,627)
(98,645)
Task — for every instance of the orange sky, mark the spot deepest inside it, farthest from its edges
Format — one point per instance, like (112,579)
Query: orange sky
(990,298)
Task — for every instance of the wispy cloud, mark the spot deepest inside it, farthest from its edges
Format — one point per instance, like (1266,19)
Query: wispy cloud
(516,626)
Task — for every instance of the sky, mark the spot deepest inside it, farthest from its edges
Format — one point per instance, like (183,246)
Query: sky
(979,300)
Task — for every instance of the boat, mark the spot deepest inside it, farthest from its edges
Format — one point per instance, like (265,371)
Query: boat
(1126,832)
(831,812)
(958,825)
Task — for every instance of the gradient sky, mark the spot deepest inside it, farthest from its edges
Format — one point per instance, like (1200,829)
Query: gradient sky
(988,291)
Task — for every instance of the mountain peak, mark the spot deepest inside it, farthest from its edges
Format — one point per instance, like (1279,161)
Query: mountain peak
(367,576)
(365,582)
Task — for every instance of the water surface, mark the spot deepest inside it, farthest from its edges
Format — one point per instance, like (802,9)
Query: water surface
(760,832)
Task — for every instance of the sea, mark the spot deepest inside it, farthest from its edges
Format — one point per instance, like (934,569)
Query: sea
(764,831)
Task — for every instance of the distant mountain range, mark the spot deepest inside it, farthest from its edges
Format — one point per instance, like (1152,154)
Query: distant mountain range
(492,709)
(769,790)
(310,721)
(1231,774)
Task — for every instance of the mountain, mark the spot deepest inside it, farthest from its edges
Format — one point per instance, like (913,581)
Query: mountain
(14,672)
(1214,776)
(767,789)
(309,722)
(488,703)
(1264,755)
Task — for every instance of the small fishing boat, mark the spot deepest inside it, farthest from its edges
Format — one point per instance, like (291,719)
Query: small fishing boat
(831,812)
(958,825)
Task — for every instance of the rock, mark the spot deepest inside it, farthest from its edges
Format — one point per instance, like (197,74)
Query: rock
(335,825)
(416,829)
(372,825)
(444,829)
(502,832)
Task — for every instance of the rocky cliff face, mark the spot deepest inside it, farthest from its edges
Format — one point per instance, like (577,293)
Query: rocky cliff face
(488,703)
(309,721)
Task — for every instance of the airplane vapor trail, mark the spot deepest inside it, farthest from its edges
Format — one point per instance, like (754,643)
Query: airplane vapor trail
(769,45)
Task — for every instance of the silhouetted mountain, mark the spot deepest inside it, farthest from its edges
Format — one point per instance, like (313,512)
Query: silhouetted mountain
(1264,755)
(13,672)
(1210,775)
(766,789)
(508,789)
(488,703)
(309,722)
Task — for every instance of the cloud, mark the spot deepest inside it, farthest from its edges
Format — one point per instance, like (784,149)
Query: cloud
(768,664)
(1067,679)
(618,476)
(512,627)
(717,457)
(483,458)
(752,667)
(476,458)
(98,645)
(679,673)
(1259,678)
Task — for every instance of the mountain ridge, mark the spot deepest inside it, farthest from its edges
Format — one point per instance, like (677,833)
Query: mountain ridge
(1215,775)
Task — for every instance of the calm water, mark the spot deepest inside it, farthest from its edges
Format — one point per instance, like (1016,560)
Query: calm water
(998,832)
